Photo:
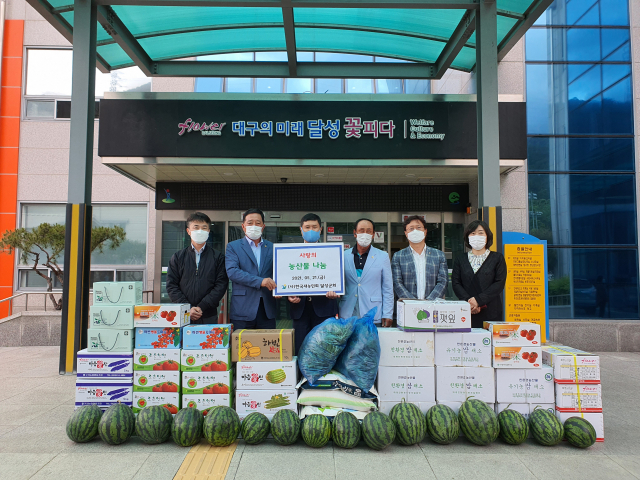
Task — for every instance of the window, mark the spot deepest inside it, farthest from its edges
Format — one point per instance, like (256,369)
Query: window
(268,85)
(125,263)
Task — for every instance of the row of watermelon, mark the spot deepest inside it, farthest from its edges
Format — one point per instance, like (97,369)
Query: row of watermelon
(405,422)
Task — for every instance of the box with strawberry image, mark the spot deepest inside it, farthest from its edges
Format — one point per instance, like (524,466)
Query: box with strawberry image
(156,381)
(205,337)
(214,360)
(517,357)
(155,337)
(514,333)
(161,315)
(205,402)
(156,359)
(171,401)
(207,383)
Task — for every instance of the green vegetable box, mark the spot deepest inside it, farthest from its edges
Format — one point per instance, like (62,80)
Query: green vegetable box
(267,375)
(207,383)
(432,316)
(117,293)
(111,316)
(157,381)
(213,360)
(169,400)
(109,340)
(267,402)
(156,359)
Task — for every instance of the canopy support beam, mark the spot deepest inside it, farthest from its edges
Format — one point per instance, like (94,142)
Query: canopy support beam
(413,4)
(458,39)
(290,37)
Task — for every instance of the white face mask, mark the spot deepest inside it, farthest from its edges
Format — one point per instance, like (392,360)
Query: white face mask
(477,242)
(199,236)
(364,239)
(416,236)
(253,232)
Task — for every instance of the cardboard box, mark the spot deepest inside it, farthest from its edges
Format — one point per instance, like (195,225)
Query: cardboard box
(111,316)
(525,408)
(385,407)
(155,359)
(117,293)
(525,385)
(148,399)
(517,357)
(109,340)
(207,383)
(203,360)
(205,402)
(249,401)
(253,375)
(103,393)
(566,360)
(463,349)
(520,334)
(456,384)
(263,345)
(161,314)
(157,381)
(568,400)
(206,337)
(405,349)
(104,365)
(595,419)
(413,384)
(431,316)
(157,337)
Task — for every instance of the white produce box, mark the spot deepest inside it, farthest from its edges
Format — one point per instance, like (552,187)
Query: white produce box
(253,375)
(104,364)
(566,360)
(525,385)
(413,384)
(249,401)
(456,384)
(433,315)
(568,400)
(406,349)
(463,349)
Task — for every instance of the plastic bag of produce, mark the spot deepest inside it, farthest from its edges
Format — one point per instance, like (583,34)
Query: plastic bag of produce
(322,346)
(360,358)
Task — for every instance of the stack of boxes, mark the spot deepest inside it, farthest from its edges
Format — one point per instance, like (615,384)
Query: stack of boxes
(205,365)
(266,371)
(105,367)
(578,391)
(158,336)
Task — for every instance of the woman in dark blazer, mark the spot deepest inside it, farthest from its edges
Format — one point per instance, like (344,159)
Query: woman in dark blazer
(479,276)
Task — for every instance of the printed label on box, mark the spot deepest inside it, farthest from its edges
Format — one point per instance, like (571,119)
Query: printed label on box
(205,337)
(104,364)
(161,315)
(171,401)
(521,334)
(205,402)
(153,337)
(263,345)
(207,383)
(413,384)
(406,349)
(463,349)
(102,394)
(517,357)
(566,360)
(587,399)
(117,293)
(216,360)
(521,385)
(111,316)
(156,359)
(456,384)
(265,401)
(156,381)
(108,340)
(429,316)
(267,375)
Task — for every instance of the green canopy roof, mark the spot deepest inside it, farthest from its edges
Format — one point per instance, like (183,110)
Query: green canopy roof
(432,35)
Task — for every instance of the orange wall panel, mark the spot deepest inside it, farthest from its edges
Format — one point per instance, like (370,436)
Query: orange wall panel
(13,38)
(9,161)
(10,102)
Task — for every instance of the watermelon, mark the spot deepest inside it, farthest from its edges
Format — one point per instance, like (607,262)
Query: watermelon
(316,430)
(546,428)
(221,426)
(514,429)
(82,426)
(153,424)
(410,423)
(117,424)
(579,432)
(378,430)
(346,430)
(186,429)
(255,428)
(478,422)
(442,424)
(285,427)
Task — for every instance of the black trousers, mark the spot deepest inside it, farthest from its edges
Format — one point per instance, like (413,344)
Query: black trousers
(260,322)
(307,321)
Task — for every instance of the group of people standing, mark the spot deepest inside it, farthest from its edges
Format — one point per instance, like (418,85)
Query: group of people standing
(199,275)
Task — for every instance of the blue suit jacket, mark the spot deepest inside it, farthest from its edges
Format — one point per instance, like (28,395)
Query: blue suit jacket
(373,289)
(405,282)
(242,270)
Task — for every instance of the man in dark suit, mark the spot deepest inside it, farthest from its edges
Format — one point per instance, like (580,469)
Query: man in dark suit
(249,263)
(309,312)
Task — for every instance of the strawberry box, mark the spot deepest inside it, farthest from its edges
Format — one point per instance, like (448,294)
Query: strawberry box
(206,337)
(517,357)
(207,383)
(104,364)
(205,402)
(161,315)
(157,381)
(522,334)
(267,375)
(156,359)
(109,340)
(111,316)
(160,338)
(147,399)
(103,393)
(215,360)
(117,293)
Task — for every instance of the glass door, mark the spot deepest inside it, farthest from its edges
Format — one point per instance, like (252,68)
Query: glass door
(343,232)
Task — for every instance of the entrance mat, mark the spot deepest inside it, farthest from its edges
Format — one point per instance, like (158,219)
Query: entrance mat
(206,462)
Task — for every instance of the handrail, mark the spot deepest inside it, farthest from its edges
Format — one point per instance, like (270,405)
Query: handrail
(26,294)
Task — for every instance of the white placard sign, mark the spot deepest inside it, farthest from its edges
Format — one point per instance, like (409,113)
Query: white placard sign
(308,268)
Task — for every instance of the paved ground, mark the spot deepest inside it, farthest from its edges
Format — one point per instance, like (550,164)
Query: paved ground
(35,403)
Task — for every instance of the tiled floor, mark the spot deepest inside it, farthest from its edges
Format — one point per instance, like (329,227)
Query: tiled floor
(35,403)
